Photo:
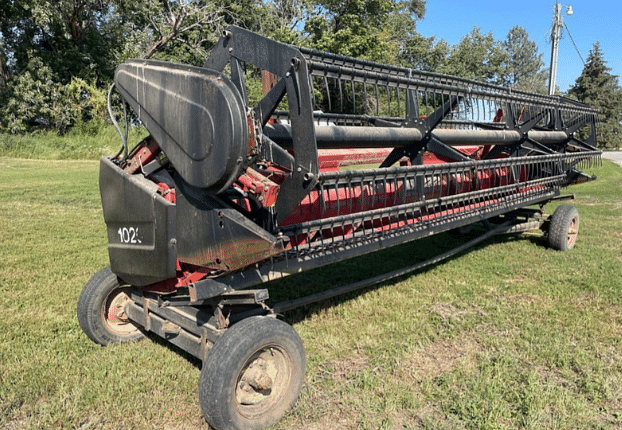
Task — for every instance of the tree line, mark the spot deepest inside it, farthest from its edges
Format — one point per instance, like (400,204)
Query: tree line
(57,57)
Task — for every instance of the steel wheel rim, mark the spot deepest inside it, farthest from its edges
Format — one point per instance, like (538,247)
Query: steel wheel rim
(262,382)
(115,318)
(572,232)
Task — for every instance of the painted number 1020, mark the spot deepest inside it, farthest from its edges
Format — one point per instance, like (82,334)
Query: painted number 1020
(128,235)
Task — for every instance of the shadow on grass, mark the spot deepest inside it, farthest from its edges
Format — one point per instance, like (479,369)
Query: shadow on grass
(375,264)
(364,267)
(196,362)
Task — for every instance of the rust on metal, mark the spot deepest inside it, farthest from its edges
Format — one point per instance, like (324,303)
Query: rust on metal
(222,320)
(147,316)
(171,328)
(116,309)
(260,186)
(143,154)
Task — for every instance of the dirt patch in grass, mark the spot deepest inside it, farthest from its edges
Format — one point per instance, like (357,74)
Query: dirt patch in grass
(328,423)
(428,416)
(440,357)
(347,368)
(516,280)
(554,377)
(527,298)
(15,424)
(322,408)
(449,311)
(601,308)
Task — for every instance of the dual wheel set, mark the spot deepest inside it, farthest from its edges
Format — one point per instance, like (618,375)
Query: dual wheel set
(251,376)
(254,371)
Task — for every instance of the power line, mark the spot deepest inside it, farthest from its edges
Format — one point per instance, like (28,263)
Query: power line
(575,45)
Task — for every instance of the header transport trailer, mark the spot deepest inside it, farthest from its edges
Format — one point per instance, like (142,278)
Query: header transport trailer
(223,196)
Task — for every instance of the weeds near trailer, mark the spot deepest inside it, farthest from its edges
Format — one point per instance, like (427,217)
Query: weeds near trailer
(508,335)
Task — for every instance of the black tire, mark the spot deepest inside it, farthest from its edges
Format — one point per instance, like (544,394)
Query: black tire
(100,310)
(252,375)
(564,228)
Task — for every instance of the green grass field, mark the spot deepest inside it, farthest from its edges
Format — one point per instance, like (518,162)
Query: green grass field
(89,144)
(509,335)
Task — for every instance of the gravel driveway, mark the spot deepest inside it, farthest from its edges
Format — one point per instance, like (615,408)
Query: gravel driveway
(615,156)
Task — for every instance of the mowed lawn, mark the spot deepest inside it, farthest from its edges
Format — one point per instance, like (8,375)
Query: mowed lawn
(508,335)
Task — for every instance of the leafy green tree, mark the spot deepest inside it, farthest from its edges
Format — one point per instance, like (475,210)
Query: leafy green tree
(524,67)
(36,102)
(4,66)
(401,33)
(479,57)
(370,29)
(48,47)
(424,53)
(75,38)
(281,20)
(29,103)
(178,30)
(597,87)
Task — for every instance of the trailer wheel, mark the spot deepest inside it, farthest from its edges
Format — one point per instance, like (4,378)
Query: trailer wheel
(252,375)
(564,228)
(101,310)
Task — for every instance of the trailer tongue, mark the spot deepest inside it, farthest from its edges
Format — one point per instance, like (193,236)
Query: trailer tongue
(223,196)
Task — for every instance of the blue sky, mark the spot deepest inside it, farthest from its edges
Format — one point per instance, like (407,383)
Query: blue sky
(596,20)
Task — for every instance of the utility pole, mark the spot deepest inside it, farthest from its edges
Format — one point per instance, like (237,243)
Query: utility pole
(555,36)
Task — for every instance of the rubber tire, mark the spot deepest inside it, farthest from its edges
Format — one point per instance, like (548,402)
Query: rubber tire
(91,309)
(561,221)
(229,356)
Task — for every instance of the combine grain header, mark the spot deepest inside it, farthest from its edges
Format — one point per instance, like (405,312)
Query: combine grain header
(224,196)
